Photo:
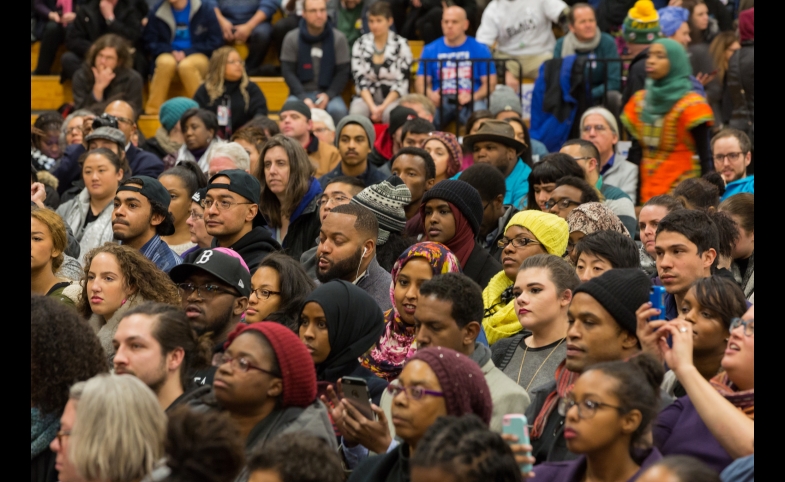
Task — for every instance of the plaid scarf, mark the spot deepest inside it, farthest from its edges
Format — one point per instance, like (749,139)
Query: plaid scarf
(565,380)
(744,400)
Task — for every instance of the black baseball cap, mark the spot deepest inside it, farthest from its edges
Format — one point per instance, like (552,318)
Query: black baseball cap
(227,268)
(240,182)
(151,188)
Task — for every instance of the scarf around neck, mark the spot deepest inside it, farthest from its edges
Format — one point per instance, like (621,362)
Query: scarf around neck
(565,380)
(500,320)
(305,61)
(43,429)
(572,45)
(662,94)
(744,400)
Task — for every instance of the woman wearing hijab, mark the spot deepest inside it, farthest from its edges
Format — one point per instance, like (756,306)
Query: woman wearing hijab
(418,264)
(670,121)
(446,153)
(588,218)
(339,322)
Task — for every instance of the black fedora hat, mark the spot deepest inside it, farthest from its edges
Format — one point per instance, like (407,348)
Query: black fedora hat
(495,131)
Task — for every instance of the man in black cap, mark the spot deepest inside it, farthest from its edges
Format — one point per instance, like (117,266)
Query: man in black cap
(230,207)
(495,144)
(141,216)
(296,124)
(388,141)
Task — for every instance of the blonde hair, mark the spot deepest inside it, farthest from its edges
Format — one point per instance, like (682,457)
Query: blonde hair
(119,430)
(57,230)
(214,80)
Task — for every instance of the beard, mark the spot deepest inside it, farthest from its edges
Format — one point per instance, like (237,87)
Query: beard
(217,325)
(341,269)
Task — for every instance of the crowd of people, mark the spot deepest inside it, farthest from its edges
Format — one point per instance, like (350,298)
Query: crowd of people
(352,292)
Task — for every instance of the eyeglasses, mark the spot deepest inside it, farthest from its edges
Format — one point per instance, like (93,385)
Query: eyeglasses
(319,130)
(71,130)
(244,365)
(414,393)
(197,216)
(570,247)
(563,203)
(584,158)
(586,409)
(204,291)
(337,199)
(60,435)
(124,119)
(221,205)
(732,157)
(264,294)
(749,326)
(598,128)
(516,242)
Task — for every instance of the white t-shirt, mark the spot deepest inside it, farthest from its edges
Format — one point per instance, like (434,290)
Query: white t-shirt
(520,27)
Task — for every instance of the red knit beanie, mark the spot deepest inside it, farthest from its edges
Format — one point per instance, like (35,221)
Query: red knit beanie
(297,369)
(463,383)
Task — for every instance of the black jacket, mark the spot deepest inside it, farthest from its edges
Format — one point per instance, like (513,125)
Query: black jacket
(90,24)
(303,232)
(127,85)
(636,76)
(257,104)
(493,248)
(741,84)
(390,467)
(42,467)
(253,247)
(481,266)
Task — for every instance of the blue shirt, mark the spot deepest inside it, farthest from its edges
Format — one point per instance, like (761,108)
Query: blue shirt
(745,184)
(517,185)
(452,70)
(157,251)
(182,35)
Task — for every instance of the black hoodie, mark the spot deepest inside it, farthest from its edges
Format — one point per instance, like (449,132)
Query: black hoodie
(253,247)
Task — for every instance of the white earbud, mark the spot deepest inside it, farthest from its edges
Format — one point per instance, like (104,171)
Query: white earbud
(365,250)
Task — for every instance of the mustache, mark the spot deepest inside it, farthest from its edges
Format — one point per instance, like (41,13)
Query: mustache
(120,221)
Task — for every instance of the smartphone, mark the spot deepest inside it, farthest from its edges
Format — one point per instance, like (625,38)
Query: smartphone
(657,300)
(356,391)
(516,424)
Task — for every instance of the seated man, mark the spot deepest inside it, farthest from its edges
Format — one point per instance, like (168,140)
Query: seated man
(418,171)
(315,61)
(141,216)
(489,182)
(296,123)
(355,138)
(388,137)
(449,80)
(421,104)
(602,251)
(732,152)
(248,22)
(599,126)
(226,156)
(414,132)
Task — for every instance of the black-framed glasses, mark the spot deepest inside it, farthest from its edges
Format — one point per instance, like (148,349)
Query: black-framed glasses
(265,294)
(414,393)
(61,435)
(242,364)
(203,291)
(731,156)
(222,205)
(516,242)
(749,326)
(586,409)
(563,203)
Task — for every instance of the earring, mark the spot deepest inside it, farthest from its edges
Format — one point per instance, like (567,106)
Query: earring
(124,300)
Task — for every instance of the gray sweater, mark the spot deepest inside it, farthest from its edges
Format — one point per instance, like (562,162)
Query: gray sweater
(376,282)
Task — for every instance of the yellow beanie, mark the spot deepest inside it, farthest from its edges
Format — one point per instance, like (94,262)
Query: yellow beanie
(549,229)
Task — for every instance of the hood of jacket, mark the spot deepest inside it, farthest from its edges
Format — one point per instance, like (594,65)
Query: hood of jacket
(254,246)
(312,420)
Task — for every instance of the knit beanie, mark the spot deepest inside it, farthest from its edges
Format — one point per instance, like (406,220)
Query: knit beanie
(621,292)
(297,369)
(671,19)
(642,25)
(504,99)
(363,122)
(463,196)
(297,106)
(549,229)
(170,112)
(453,147)
(399,116)
(462,381)
(387,201)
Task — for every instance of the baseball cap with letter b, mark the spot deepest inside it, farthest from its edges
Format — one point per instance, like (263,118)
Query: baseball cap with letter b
(224,264)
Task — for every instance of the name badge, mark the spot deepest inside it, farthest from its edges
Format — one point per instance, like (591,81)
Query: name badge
(223,115)
(316,52)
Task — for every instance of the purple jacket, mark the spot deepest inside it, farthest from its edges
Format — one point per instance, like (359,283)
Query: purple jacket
(574,470)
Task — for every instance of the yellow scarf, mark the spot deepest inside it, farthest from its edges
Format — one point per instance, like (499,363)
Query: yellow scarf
(500,320)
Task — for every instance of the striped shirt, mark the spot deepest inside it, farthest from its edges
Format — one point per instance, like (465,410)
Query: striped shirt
(157,251)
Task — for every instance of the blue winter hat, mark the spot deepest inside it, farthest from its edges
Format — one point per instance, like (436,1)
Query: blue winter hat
(170,112)
(671,19)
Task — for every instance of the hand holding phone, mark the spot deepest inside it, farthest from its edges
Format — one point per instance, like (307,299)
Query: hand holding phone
(355,390)
(657,300)
(516,424)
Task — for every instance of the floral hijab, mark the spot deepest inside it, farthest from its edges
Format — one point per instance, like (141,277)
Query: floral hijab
(591,217)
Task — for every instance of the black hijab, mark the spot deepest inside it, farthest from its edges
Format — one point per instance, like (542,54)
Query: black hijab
(354,324)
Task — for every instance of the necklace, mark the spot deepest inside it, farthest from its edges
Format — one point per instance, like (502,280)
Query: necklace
(377,51)
(525,350)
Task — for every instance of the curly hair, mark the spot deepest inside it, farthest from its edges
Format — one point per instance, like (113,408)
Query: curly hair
(214,80)
(55,330)
(140,274)
(298,457)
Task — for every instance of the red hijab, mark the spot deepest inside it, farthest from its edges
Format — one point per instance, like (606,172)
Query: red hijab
(462,243)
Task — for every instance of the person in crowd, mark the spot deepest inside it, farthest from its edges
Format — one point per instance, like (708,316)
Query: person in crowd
(108,74)
(388,141)
(323,127)
(180,36)
(543,177)
(701,30)
(450,214)
(716,417)
(117,279)
(415,132)
(347,250)
(228,92)
(699,193)
(72,127)
(119,429)
(489,182)
(54,332)
(741,77)
(598,126)
(289,195)
(420,263)
(626,395)
(354,139)
(722,48)
(674,24)
(318,81)
(570,191)
(640,29)
(649,218)
(421,104)
(495,144)
(182,182)
(669,99)
(728,235)
(196,225)
(168,138)
(200,129)
(538,149)
(297,124)
(250,23)
(521,31)
(90,213)
(528,233)
(387,201)
(585,40)
(46,148)
(473,124)
(142,163)
(381,66)
(741,208)
(296,457)
(504,103)
(279,287)
(732,153)
(589,218)
(214,291)
(602,251)
(418,171)
(141,217)
(155,343)
(51,19)
(446,153)
(47,246)
(456,88)
(228,156)
(350,18)
(252,139)
(602,328)
(679,468)
(269,126)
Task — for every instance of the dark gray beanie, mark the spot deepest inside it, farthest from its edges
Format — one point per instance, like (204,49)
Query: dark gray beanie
(621,292)
(363,121)
(463,195)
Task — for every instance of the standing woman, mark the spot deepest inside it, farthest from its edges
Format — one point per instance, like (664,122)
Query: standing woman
(528,233)
(290,195)
(381,64)
(47,243)
(182,182)
(670,121)
(417,265)
(228,93)
(655,209)
(446,153)
(741,208)
(702,31)
(199,128)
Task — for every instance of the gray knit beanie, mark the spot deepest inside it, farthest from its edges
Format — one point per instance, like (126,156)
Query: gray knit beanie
(505,99)
(363,121)
(387,201)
